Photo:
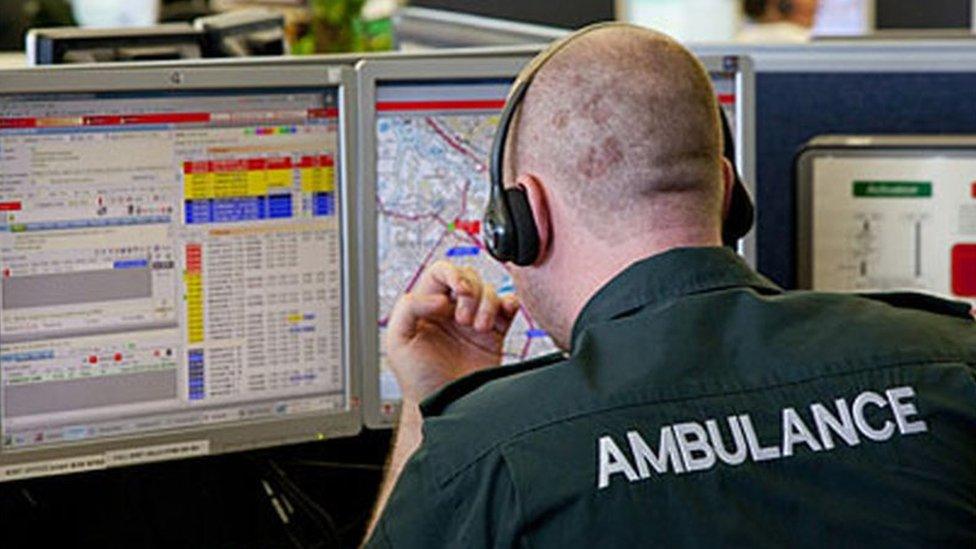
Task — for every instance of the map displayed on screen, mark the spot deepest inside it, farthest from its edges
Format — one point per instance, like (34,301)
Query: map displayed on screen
(433,143)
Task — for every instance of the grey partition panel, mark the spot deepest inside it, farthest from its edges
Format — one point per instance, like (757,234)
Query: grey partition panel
(803,91)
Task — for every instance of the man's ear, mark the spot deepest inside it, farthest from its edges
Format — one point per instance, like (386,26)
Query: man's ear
(728,181)
(535,192)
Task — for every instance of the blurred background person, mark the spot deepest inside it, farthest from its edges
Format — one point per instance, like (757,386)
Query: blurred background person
(778,21)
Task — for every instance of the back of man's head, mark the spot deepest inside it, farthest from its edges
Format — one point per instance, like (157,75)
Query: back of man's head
(620,129)
(623,124)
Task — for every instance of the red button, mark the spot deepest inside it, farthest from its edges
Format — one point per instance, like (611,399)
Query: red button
(93,359)
(964,270)
(118,357)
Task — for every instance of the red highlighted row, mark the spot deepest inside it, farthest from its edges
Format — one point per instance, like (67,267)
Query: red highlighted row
(257,164)
(133,119)
(194,256)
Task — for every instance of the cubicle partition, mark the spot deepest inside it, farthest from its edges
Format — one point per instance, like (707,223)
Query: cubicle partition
(803,91)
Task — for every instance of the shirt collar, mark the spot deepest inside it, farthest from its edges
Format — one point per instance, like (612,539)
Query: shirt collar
(665,277)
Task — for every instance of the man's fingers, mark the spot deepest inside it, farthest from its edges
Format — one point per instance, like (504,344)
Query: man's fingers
(410,308)
(510,305)
(488,309)
(509,308)
(462,284)
(468,299)
(441,277)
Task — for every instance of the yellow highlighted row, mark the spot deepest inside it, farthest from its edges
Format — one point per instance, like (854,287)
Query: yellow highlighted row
(194,307)
(245,183)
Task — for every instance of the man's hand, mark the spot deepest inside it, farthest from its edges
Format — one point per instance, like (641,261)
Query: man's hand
(451,324)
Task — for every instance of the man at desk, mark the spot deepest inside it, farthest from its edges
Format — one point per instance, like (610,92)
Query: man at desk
(698,403)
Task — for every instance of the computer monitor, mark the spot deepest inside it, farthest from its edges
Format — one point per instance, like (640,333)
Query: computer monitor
(427,126)
(887,213)
(734,82)
(174,263)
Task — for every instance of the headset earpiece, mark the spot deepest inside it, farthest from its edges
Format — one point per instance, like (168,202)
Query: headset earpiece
(526,231)
(741,212)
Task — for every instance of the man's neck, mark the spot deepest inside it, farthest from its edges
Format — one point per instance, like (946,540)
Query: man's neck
(616,258)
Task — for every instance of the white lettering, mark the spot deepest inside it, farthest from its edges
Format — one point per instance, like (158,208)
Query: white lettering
(691,439)
(794,431)
(666,451)
(732,458)
(758,452)
(826,422)
(904,409)
(697,446)
(612,461)
(862,400)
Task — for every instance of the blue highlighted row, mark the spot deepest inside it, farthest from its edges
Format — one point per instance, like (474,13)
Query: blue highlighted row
(226,210)
(323,204)
(194,360)
(131,264)
(27,356)
(74,433)
(463,251)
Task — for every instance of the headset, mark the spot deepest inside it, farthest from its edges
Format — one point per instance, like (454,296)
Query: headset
(509,230)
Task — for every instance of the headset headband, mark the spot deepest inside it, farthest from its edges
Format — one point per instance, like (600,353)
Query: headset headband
(510,233)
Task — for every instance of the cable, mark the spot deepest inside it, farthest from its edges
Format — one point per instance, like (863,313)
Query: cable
(306,503)
(337,465)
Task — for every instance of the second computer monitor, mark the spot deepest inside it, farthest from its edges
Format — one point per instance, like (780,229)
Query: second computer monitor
(427,127)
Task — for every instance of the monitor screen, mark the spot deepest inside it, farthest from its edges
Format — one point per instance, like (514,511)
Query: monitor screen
(168,261)
(432,145)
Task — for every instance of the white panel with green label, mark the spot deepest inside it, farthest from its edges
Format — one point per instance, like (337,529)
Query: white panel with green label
(888,213)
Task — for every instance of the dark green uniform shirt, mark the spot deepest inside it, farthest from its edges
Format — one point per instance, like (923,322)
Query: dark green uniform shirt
(701,405)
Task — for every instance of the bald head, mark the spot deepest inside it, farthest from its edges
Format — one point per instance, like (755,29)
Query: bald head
(622,126)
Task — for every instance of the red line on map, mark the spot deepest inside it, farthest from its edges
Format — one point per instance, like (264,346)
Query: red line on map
(455,144)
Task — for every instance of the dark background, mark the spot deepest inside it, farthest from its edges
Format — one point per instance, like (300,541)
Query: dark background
(214,502)
(568,14)
(919,14)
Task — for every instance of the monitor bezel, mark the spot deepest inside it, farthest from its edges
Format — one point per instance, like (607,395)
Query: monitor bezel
(371,72)
(261,433)
(745,130)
